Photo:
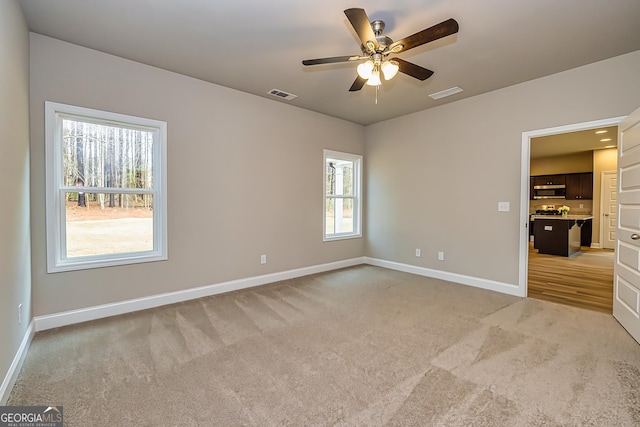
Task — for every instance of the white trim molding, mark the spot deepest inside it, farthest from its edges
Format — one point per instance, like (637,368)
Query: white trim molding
(524,185)
(16,365)
(492,285)
(66,318)
(42,323)
(59,258)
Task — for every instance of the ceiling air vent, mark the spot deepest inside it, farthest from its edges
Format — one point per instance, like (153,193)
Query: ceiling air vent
(280,94)
(446,92)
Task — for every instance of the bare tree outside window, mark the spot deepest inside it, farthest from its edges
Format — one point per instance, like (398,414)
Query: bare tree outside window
(100,156)
(342,195)
(106,174)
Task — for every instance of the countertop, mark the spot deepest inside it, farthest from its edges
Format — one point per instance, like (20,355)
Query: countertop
(571,217)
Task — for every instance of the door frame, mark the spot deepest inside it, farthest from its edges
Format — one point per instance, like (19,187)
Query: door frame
(602,175)
(524,185)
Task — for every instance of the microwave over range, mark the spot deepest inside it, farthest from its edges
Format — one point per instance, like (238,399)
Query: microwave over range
(550,191)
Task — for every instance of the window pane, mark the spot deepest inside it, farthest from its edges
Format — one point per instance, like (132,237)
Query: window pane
(339,177)
(99,155)
(101,224)
(339,215)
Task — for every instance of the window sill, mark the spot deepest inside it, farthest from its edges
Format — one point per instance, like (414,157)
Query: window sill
(342,237)
(89,263)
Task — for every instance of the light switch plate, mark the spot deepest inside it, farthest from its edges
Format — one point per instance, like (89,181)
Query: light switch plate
(504,207)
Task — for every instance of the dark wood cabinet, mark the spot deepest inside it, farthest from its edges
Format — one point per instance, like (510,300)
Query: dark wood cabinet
(531,184)
(549,180)
(586,230)
(556,237)
(579,186)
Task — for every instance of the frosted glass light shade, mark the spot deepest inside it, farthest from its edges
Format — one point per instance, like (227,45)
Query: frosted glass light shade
(389,69)
(374,80)
(365,69)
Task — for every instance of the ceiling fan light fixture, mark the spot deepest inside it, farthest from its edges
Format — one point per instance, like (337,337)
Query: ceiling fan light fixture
(371,47)
(376,46)
(389,69)
(374,80)
(365,69)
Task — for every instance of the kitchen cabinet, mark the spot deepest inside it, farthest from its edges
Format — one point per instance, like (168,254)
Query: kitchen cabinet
(579,186)
(561,235)
(586,231)
(556,236)
(549,180)
(531,184)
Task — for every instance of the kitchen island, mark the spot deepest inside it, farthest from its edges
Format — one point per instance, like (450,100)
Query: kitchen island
(558,235)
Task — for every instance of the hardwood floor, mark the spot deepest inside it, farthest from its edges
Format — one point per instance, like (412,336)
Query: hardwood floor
(582,280)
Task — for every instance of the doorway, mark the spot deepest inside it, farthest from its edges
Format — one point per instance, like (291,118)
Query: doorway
(608,200)
(555,269)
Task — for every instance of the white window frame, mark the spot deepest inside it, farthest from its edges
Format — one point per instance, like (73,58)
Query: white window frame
(356,197)
(55,189)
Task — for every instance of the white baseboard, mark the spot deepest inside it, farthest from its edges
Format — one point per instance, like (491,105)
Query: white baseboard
(505,288)
(16,365)
(101,311)
(41,323)
(595,245)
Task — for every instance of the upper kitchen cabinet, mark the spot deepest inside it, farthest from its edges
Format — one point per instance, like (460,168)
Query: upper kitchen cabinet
(549,180)
(579,186)
(531,184)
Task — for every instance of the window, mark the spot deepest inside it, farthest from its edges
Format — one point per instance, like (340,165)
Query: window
(105,189)
(342,205)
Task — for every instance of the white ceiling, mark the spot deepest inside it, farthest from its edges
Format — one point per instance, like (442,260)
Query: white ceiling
(574,142)
(256,45)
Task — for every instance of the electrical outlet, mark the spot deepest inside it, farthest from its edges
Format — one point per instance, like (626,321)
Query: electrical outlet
(418,253)
(19,314)
(263,259)
(440,256)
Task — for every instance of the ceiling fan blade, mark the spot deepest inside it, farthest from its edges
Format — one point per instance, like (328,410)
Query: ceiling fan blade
(357,84)
(330,60)
(360,22)
(438,31)
(412,69)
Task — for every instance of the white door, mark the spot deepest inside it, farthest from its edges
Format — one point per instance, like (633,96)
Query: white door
(609,208)
(626,291)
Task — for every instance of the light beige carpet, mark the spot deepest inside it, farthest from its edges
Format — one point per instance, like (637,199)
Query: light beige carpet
(362,346)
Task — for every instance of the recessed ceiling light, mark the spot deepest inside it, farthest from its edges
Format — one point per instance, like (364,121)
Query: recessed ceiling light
(609,146)
(446,92)
(605,140)
(601,131)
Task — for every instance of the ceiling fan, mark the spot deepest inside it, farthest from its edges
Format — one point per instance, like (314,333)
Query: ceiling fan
(376,47)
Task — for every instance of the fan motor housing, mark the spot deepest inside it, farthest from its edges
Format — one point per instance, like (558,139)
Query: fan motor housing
(383,43)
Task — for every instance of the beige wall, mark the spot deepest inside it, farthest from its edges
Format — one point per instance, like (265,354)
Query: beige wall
(603,160)
(244,177)
(15,258)
(435,177)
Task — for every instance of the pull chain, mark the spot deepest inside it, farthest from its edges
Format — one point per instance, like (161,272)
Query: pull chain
(377,94)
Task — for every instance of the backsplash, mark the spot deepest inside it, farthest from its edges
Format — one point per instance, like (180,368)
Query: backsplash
(586,209)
